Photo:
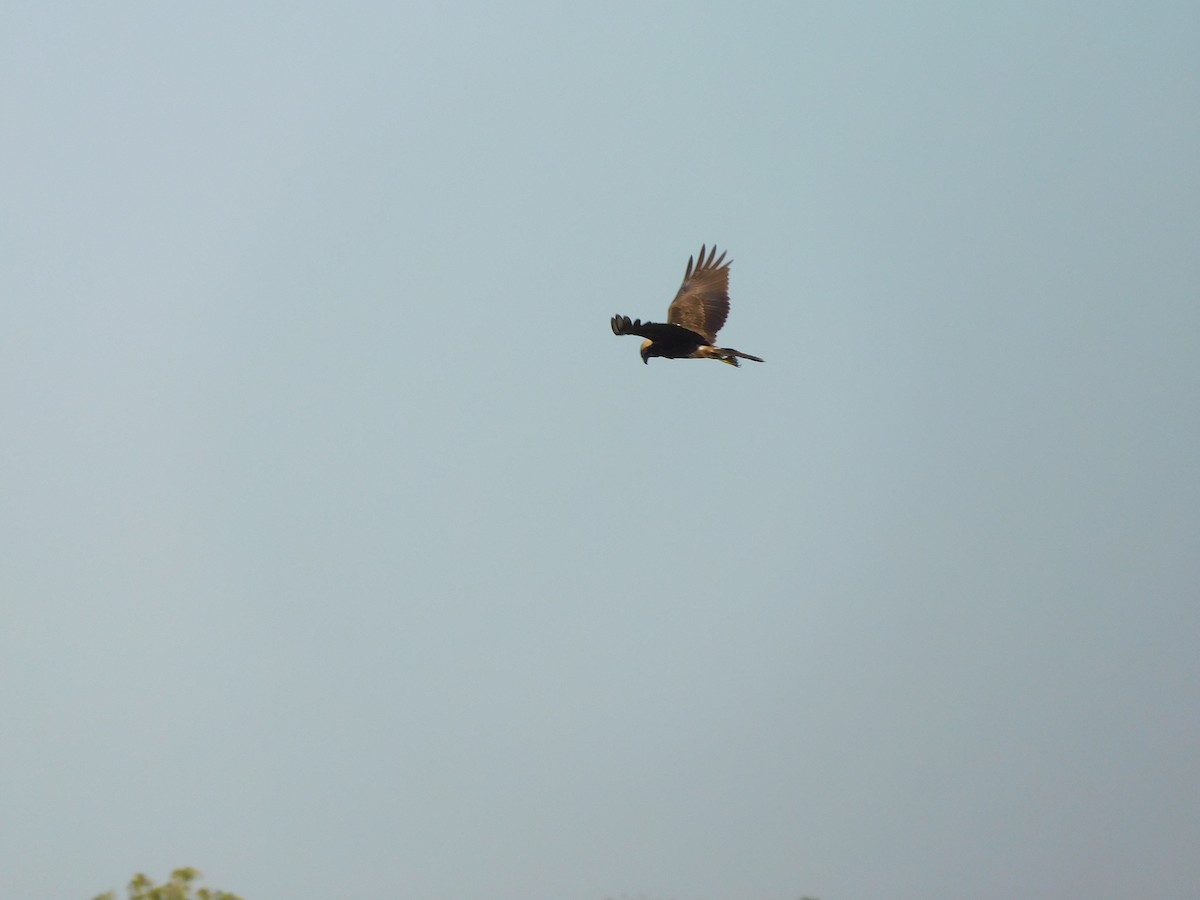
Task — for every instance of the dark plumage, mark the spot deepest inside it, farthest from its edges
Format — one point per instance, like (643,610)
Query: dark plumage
(693,318)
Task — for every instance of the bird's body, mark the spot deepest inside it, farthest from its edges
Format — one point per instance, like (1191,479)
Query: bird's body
(693,318)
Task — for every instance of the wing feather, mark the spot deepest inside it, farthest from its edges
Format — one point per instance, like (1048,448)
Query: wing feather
(702,304)
(666,334)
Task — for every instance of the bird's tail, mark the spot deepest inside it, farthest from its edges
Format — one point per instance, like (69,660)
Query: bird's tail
(731,356)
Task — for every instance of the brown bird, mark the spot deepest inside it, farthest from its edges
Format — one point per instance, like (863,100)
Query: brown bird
(693,318)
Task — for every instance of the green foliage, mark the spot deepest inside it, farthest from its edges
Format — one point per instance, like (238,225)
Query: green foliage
(180,887)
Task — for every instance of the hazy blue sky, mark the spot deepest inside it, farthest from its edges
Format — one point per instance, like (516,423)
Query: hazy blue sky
(347,553)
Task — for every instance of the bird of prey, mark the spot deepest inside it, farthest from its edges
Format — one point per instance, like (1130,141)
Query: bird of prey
(693,318)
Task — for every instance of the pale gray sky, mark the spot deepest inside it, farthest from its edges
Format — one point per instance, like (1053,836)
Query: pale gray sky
(348,553)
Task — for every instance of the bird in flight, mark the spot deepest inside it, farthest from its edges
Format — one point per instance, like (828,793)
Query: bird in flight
(693,318)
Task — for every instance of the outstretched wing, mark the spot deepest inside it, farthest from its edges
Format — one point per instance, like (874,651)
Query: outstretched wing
(702,304)
(656,331)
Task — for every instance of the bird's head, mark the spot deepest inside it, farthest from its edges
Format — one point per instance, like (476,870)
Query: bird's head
(646,354)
